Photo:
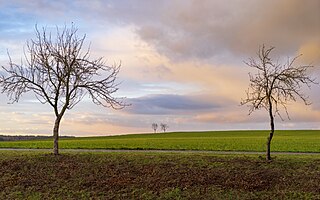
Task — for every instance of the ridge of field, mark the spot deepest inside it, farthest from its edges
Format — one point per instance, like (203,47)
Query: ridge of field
(283,141)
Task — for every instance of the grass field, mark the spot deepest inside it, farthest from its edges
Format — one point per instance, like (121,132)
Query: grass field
(284,141)
(36,175)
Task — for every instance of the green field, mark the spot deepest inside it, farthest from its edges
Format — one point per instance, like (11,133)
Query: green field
(283,141)
(145,175)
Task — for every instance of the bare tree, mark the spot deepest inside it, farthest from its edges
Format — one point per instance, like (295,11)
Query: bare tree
(60,73)
(154,127)
(274,85)
(164,127)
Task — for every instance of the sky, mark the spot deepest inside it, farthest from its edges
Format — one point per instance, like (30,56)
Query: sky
(182,61)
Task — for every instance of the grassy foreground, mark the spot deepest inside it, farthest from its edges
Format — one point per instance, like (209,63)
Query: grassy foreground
(36,175)
(286,141)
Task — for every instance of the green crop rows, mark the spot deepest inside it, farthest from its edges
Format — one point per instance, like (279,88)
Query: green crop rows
(289,141)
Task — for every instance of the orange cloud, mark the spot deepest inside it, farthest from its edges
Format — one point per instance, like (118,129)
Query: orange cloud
(311,52)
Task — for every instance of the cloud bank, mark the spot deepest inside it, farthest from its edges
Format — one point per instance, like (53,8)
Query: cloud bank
(182,60)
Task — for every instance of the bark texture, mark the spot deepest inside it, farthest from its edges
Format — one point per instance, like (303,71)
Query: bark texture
(56,136)
(268,153)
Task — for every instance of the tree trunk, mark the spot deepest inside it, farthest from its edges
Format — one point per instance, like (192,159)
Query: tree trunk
(56,136)
(268,156)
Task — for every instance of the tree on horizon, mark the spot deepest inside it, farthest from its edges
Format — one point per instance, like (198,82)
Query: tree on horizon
(154,127)
(164,127)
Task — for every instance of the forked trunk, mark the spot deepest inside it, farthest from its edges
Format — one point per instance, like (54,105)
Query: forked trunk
(56,136)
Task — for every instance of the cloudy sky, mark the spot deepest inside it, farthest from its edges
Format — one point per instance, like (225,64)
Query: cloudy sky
(182,61)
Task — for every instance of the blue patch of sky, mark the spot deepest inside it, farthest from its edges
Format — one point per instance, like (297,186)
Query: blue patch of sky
(136,89)
(12,19)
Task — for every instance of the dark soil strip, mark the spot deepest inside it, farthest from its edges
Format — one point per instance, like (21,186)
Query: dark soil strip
(164,151)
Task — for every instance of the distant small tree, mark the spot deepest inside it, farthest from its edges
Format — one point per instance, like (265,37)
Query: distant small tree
(274,85)
(60,73)
(164,127)
(154,127)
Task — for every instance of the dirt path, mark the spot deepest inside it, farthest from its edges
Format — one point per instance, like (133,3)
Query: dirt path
(163,151)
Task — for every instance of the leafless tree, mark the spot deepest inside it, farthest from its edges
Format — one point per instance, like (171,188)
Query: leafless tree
(60,73)
(154,127)
(274,85)
(164,127)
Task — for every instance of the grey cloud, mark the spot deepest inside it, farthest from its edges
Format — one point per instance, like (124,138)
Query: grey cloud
(47,8)
(168,105)
(207,29)
(191,29)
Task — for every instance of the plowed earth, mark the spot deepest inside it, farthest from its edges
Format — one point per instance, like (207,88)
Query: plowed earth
(156,176)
